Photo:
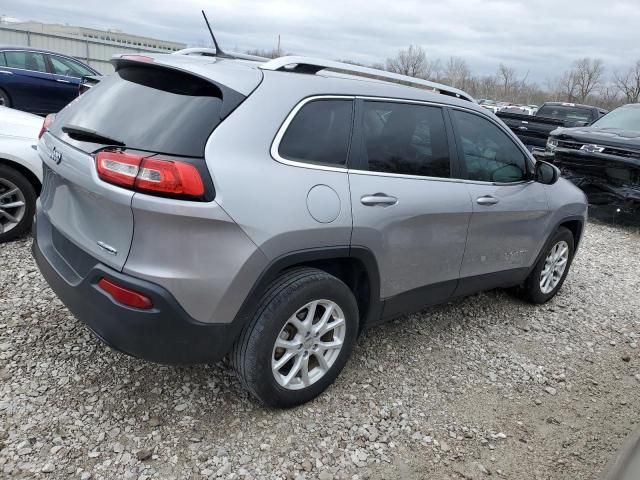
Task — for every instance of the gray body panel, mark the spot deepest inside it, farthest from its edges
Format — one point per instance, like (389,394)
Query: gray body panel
(508,234)
(418,241)
(83,208)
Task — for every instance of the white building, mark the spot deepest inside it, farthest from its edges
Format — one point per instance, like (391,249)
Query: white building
(92,46)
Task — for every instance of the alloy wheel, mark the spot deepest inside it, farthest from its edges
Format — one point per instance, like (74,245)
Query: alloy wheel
(308,344)
(554,266)
(12,205)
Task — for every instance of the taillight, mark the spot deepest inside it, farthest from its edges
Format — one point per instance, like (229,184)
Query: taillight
(46,124)
(125,296)
(170,176)
(150,174)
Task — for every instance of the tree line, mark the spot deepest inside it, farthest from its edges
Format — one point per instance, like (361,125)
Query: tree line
(585,81)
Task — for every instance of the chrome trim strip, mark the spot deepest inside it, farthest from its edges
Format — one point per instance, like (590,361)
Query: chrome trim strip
(275,145)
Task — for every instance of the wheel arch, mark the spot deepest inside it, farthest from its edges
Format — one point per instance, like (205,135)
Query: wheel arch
(355,266)
(28,174)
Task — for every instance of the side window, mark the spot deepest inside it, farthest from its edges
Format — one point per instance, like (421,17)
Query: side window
(489,154)
(66,67)
(3,62)
(405,139)
(26,60)
(319,133)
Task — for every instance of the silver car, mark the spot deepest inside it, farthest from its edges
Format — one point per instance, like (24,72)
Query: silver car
(195,207)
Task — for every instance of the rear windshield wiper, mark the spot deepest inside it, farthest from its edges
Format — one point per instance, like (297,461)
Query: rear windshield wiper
(87,135)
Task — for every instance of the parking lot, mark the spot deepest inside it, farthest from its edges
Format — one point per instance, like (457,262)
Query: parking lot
(484,386)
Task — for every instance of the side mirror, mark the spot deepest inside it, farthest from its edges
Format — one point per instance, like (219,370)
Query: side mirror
(546,173)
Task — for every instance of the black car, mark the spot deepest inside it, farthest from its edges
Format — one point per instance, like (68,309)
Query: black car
(534,130)
(39,81)
(604,158)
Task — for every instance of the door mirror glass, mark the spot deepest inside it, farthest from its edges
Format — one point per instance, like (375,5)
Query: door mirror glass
(546,173)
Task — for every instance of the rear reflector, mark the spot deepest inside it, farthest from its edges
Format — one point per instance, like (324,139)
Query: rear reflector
(46,124)
(125,296)
(150,174)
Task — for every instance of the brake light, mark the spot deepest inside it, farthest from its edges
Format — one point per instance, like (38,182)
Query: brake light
(46,124)
(150,174)
(137,58)
(125,296)
(170,176)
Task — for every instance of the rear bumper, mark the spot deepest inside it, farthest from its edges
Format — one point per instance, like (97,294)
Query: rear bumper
(163,334)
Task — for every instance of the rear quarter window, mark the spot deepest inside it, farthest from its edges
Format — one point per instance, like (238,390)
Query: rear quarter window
(319,133)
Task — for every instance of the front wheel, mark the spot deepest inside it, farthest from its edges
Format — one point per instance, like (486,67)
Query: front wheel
(299,340)
(17,204)
(547,277)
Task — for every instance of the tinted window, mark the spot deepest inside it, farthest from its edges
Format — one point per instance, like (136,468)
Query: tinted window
(3,62)
(26,61)
(147,108)
(319,133)
(69,68)
(489,154)
(405,139)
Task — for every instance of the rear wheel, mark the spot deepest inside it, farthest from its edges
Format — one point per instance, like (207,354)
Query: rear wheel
(5,101)
(547,277)
(299,339)
(17,204)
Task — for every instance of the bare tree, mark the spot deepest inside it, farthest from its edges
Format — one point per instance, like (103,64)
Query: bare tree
(588,75)
(411,62)
(457,73)
(433,70)
(507,78)
(628,83)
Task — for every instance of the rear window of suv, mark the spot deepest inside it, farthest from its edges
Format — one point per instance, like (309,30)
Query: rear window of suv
(152,109)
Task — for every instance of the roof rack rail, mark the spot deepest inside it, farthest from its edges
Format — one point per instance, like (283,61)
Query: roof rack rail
(212,52)
(314,65)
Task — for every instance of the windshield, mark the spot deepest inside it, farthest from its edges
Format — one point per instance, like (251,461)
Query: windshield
(624,118)
(566,113)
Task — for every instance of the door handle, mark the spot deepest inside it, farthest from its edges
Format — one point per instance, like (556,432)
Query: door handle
(62,81)
(6,73)
(487,200)
(381,199)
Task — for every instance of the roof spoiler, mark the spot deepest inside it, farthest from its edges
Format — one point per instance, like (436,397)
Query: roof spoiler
(314,65)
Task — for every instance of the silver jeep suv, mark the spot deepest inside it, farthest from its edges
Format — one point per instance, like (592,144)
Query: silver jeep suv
(195,207)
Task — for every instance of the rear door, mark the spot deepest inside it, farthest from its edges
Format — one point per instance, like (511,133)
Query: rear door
(406,207)
(510,210)
(67,74)
(27,80)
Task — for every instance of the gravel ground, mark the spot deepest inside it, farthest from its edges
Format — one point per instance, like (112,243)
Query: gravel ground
(486,386)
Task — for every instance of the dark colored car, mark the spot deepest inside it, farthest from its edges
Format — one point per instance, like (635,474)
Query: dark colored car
(603,159)
(534,130)
(39,81)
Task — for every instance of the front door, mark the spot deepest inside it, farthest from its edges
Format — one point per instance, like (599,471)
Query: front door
(510,210)
(406,208)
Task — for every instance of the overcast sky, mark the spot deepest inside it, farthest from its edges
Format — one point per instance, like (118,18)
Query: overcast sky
(541,37)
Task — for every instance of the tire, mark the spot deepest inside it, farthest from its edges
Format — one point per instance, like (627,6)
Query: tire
(254,354)
(5,101)
(15,220)
(532,290)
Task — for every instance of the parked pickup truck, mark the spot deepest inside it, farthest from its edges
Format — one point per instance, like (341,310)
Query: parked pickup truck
(603,159)
(534,130)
